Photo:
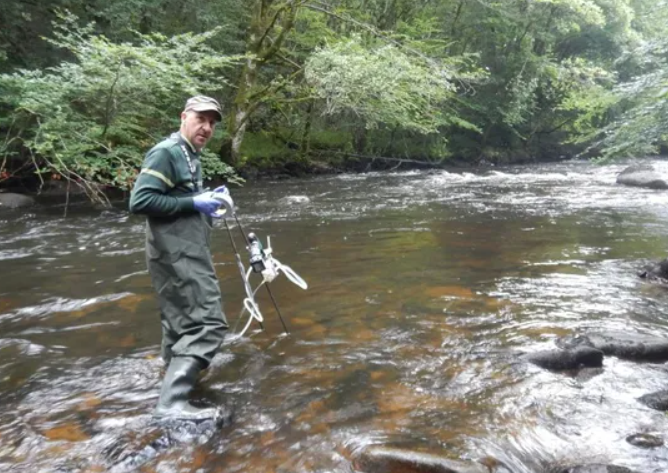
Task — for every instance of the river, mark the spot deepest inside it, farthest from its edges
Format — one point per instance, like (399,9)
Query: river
(423,289)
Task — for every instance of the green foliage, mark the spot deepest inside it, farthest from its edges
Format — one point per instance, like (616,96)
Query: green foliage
(262,149)
(381,85)
(587,97)
(588,11)
(643,123)
(88,120)
(558,75)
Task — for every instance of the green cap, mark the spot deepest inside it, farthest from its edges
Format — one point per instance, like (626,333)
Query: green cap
(202,103)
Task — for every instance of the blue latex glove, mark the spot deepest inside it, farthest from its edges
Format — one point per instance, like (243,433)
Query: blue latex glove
(206,203)
(227,204)
(223,189)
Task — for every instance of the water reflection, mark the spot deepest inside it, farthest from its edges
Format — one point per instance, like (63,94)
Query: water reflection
(423,289)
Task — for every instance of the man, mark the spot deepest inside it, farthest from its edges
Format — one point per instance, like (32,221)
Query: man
(169,192)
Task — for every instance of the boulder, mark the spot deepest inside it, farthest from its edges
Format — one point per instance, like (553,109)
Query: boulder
(377,459)
(10,200)
(642,175)
(568,359)
(627,346)
(657,400)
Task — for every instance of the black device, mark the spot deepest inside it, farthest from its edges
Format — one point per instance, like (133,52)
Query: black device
(256,253)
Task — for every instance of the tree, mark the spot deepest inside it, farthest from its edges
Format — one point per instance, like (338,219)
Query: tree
(270,23)
(384,85)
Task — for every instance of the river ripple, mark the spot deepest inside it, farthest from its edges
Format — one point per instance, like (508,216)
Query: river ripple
(423,288)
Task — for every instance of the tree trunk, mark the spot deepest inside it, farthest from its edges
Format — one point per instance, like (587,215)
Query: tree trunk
(238,119)
(305,145)
(267,17)
(360,139)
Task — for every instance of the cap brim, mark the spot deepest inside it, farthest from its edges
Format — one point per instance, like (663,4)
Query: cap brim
(206,108)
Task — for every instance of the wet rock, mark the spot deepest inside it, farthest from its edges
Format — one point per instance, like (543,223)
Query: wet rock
(493,465)
(394,460)
(129,453)
(642,175)
(628,346)
(9,200)
(657,400)
(655,271)
(587,374)
(568,359)
(22,347)
(591,468)
(294,200)
(644,440)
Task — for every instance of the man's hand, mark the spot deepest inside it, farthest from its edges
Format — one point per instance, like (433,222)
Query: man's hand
(206,203)
(227,204)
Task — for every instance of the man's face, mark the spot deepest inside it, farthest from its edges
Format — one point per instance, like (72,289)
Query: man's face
(198,127)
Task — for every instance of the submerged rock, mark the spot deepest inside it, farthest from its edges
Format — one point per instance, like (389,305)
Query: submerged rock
(628,346)
(642,175)
(587,374)
(644,440)
(395,460)
(657,400)
(591,468)
(568,359)
(129,453)
(294,200)
(10,200)
(655,271)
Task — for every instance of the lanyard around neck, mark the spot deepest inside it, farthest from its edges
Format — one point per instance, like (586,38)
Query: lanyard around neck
(191,165)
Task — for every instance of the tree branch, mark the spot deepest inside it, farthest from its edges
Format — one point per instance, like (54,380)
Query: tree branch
(271,25)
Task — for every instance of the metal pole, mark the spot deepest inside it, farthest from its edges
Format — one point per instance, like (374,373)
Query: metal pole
(278,311)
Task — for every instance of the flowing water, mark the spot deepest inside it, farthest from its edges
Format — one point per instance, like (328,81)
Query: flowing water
(423,289)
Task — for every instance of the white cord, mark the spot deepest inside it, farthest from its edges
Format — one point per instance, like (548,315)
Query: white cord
(249,302)
(290,274)
(250,305)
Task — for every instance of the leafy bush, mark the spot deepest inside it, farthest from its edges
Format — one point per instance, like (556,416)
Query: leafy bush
(91,120)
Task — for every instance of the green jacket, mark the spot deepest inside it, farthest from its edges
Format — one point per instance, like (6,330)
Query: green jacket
(166,184)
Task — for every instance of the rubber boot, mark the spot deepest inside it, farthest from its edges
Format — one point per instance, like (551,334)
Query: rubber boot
(176,387)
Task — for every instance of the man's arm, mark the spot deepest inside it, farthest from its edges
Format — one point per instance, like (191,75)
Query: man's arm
(157,177)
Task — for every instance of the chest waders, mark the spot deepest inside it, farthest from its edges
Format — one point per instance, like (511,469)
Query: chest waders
(193,323)
(182,272)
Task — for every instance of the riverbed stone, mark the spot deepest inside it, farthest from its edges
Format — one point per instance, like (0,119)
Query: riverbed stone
(131,451)
(627,346)
(10,200)
(642,175)
(379,459)
(657,400)
(591,468)
(656,271)
(294,200)
(643,440)
(567,359)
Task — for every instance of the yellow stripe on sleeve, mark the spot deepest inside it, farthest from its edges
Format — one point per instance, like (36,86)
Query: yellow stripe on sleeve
(159,175)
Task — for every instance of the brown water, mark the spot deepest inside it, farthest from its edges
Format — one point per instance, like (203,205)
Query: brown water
(423,288)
